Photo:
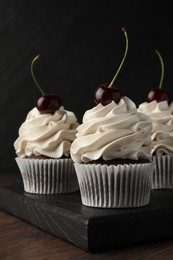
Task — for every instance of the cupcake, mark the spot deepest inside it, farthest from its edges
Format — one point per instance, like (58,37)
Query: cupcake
(160,109)
(43,147)
(111,154)
(162,142)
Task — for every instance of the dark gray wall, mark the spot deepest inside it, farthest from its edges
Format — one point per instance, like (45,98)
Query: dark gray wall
(81,45)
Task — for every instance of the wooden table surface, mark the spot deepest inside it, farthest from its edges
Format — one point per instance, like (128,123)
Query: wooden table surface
(19,240)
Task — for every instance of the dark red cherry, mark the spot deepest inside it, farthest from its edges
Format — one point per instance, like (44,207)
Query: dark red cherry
(105,95)
(159,95)
(48,104)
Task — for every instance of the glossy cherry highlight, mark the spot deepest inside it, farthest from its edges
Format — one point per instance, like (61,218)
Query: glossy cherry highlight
(48,103)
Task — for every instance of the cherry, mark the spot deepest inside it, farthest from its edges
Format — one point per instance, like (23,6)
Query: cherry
(48,103)
(159,94)
(106,93)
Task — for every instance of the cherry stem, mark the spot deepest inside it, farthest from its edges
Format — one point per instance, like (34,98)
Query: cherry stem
(162,68)
(33,76)
(121,64)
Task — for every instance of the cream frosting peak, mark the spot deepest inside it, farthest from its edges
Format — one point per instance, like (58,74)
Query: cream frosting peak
(112,131)
(161,115)
(46,134)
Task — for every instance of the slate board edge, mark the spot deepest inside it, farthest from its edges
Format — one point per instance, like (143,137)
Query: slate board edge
(94,234)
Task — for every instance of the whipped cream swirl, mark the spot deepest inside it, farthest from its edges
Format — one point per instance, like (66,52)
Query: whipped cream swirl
(162,121)
(47,134)
(113,131)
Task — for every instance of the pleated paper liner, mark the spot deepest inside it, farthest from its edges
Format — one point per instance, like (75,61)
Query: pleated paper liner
(163,172)
(48,176)
(120,186)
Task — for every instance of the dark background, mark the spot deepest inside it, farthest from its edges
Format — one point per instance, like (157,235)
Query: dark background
(81,46)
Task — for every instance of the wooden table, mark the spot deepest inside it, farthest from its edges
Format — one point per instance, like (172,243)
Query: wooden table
(19,240)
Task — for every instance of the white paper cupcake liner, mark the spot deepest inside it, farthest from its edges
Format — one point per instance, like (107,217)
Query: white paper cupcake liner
(48,176)
(163,172)
(120,186)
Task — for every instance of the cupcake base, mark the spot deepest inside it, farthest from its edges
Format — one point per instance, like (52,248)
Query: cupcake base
(48,176)
(163,172)
(120,186)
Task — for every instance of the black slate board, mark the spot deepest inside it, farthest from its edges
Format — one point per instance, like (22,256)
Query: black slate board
(92,229)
